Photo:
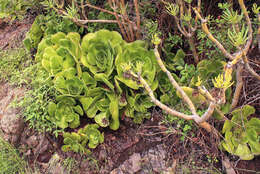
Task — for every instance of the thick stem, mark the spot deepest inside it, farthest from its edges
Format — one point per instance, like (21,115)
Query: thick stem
(193,48)
(173,82)
(211,37)
(179,26)
(250,30)
(248,67)
(138,18)
(239,86)
(258,34)
(196,118)
(207,114)
(161,105)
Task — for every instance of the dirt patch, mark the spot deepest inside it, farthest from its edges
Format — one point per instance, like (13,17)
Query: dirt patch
(13,33)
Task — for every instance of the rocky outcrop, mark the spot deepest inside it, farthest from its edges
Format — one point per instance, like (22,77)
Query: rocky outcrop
(11,123)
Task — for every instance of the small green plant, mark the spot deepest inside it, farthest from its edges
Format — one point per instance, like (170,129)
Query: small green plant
(65,113)
(46,25)
(241,134)
(135,56)
(16,8)
(10,160)
(89,135)
(206,70)
(13,63)
(100,50)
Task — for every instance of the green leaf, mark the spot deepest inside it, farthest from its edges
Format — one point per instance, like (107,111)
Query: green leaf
(114,111)
(86,102)
(92,111)
(78,109)
(68,140)
(103,78)
(135,54)
(100,50)
(102,119)
(66,148)
(57,37)
(254,123)
(88,79)
(75,123)
(51,109)
(243,152)
(227,126)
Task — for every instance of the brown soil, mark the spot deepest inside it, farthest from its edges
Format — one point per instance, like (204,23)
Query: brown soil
(13,33)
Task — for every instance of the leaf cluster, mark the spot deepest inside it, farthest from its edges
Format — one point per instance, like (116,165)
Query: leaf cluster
(16,8)
(90,79)
(241,134)
(77,141)
(46,25)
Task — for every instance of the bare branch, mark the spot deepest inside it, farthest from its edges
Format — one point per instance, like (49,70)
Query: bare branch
(138,35)
(239,86)
(250,30)
(211,37)
(173,82)
(207,114)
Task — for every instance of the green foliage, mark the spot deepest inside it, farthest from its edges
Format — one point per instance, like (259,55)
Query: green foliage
(13,64)
(207,70)
(16,8)
(194,95)
(171,42)
(238,38)
(10,160)
(137,106)
(241,134)
(17,68)
(231,16)
(65,113)
(46,25)
(100,49)
(218,28)
(89,135)
(140,61)
(151,28)
(183,73)
(61,55)
(85,72)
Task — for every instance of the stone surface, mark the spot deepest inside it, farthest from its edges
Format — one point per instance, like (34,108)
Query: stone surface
(55,165)
(130,166)
(10,123)
(153,160)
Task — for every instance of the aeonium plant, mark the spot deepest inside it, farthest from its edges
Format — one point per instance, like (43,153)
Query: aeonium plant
(65,113)
(136,57)
(100,49)
(60,52)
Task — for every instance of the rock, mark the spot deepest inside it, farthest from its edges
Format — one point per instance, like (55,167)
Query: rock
(12,127)
(55,165)
(32,141)
(102,155)
(130,166)
(11,124)
(154,160)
